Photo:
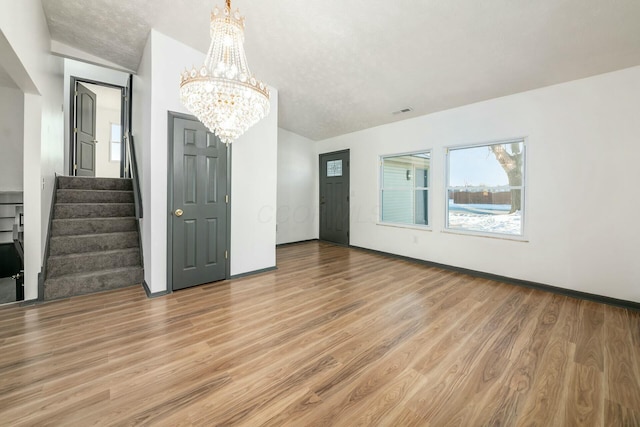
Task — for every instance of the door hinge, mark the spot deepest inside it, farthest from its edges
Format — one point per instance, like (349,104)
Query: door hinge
(226,254)
(226,198)
(75,130)
(75,167)
(75,93)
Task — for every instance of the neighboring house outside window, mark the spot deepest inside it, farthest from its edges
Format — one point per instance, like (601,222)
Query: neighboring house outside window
(115,145)
(404,192)
(485,188)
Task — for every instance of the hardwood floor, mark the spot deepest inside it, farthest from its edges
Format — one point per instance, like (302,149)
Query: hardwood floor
(335,336)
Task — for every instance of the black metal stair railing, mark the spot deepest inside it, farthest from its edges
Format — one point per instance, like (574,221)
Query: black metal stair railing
(131,169)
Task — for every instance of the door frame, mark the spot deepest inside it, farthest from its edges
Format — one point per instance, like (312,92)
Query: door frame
(330,153)
(171,115)
(72,121)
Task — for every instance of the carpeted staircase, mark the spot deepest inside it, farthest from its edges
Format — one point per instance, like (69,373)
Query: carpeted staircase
(94,243)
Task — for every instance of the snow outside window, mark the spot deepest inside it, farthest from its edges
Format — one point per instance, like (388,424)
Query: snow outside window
(404,193)
(485,188)
(115,144)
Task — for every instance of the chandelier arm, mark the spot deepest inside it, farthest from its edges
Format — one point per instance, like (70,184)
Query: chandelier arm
(229,5)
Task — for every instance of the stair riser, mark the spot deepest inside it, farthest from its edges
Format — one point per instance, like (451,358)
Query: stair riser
(92,262)
(90,196)
(106,210)
(65,245)
(79,183)
(71,227)
(64,287)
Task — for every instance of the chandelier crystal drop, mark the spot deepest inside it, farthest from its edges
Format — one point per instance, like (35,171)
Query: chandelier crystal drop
(223,94)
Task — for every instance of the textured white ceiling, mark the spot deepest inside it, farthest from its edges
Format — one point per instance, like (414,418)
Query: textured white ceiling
(342,66)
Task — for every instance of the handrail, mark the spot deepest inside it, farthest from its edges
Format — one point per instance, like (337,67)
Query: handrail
(19,250)
(132,169)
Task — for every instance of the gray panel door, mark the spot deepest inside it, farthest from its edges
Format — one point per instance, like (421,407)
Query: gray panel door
(334,197)
(199,213)
(85,131)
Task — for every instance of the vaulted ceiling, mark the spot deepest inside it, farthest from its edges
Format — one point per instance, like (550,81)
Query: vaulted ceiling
(346,65)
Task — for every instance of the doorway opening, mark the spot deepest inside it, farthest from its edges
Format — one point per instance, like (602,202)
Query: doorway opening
(98,113)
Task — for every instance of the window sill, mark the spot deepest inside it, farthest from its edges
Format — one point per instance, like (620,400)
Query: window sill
(509,237)
(409,226)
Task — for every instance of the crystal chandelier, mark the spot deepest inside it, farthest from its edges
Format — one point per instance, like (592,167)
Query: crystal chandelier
(223,94)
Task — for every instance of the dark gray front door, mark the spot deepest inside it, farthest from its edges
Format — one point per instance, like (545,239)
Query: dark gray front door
(334,197)
(199,212)
(85,131)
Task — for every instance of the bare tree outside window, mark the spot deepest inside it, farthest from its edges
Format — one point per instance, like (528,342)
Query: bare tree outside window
(485,188)
(512,163)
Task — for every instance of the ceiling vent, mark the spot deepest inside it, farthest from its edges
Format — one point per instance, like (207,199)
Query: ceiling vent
(404,110)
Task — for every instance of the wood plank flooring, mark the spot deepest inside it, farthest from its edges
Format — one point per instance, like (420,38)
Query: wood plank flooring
(335,337)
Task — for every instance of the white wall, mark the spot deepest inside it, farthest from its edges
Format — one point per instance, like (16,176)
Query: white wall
(108,106)
(141,131)
(254,184)
(106,168)
(52,140)
(38,74)
(254,166)
(581,193)
(297,188)
(11,138)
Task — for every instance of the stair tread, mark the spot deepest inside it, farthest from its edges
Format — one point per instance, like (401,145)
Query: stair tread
(94,203)
(108,218)
(94,234)
(95,273)
(91,178)
(66,177)
(96,190)
(81,254)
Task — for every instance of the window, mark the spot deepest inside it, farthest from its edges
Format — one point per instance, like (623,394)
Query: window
(405,184)
(485,188)
(334,168)
(115,146)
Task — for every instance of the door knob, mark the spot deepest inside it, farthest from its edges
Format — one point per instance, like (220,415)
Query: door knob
(178,212)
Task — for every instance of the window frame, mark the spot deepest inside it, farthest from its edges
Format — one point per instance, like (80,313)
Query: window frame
(522,237)
(111,142)
(428,189)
